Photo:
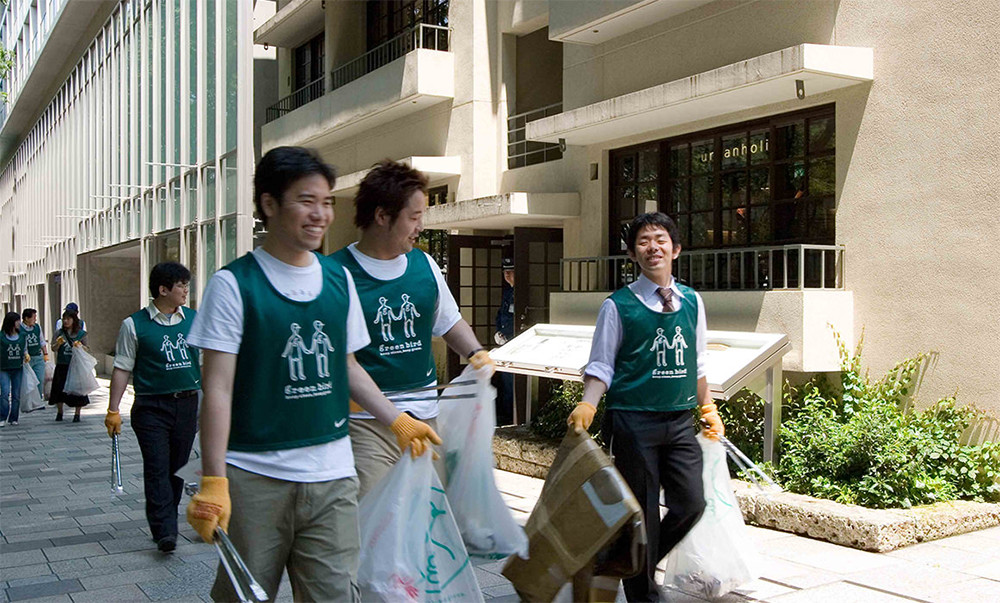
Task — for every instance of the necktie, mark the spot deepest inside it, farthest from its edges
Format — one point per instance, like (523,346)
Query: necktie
(667,296)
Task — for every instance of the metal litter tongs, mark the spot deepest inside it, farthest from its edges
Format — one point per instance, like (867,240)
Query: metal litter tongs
(239,574)
(116,467)
(432,392)
(745,464)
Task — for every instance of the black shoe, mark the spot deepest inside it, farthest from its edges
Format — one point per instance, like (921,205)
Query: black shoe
(76,418)
(167,544)
(59,416)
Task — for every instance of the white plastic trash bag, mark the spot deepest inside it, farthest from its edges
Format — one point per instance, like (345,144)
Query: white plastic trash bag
(80,380)
(717,555)
(410,546)
(466,426)
(31,398)
(50,373)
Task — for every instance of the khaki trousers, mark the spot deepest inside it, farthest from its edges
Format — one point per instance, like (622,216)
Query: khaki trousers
(309,528)
(376,451)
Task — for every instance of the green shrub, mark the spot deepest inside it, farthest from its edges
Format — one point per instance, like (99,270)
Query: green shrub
(550,421)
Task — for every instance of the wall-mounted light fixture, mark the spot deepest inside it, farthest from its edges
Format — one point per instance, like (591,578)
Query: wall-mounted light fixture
(800,89)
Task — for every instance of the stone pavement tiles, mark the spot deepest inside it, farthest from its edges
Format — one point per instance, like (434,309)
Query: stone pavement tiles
(66,537)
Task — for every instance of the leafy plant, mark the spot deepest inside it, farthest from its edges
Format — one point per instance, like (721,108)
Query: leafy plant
(550,422)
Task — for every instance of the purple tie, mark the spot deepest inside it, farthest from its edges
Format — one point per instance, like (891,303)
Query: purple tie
(667,296)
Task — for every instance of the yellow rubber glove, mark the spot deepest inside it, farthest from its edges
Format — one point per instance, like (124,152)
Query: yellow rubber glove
(77,344)
(27,358)
(710,415)
(481,360)
(210,507)
(58,343)
(46,357)
(581,417)
(113,421)
(416,434)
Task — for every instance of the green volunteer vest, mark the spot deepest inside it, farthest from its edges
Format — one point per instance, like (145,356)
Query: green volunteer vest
(11,352)
(657,365)
(65,352)
(164,363)
(290,389)
(400,317)
(32,339)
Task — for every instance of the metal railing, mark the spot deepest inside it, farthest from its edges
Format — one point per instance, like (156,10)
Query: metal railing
(795,267)
(422,35)
(522,152)
(305,94)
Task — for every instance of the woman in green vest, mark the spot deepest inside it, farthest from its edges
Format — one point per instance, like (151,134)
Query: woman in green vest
(12,359)
(37,348)
(71,335)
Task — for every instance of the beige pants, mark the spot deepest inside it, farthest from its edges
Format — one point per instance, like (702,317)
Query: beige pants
(310,528)
(376,451)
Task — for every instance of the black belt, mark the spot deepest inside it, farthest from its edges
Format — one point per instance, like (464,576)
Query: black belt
(173,396)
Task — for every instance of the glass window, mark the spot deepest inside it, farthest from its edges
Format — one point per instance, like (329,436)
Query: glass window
(193,55)
(208,244)
(210,80)
(228,226)
(232,6)
(229,173)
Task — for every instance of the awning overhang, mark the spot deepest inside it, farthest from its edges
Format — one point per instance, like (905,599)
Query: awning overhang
(756,82)
(294,24)
(501,212)
(435,168)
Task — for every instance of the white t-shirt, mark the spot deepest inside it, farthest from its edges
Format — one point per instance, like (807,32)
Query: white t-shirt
(423,405)
(219,326)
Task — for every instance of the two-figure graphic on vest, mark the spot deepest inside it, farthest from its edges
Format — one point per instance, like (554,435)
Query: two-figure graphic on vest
(181,347)
(661,345)
(384,317)
(295,351)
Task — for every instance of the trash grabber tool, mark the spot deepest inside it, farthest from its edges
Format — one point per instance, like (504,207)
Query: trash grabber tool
(748,466)
(428,388)
(116,467)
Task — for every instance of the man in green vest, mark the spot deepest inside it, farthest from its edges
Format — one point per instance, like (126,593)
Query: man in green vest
(151,349)
(37,348)
(651,393)
(406,302)
(279,328)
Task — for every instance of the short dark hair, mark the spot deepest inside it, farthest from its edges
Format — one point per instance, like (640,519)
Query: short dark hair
(8,322)
(167,274)
(76,321)
(283,166)
(655,218)
(388,185)
(28,313)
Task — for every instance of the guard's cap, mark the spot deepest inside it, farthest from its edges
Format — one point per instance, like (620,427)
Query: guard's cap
(72,307)
(508,263)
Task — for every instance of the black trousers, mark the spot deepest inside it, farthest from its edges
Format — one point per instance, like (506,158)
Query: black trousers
(165,429)
(654,450)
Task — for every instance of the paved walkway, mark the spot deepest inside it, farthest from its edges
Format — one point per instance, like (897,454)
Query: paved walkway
(67,538)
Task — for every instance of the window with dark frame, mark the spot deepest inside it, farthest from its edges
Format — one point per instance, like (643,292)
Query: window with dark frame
(308,62)
(766,182)
(389,18)
(437,196)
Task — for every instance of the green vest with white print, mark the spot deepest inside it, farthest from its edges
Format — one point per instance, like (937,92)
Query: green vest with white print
(290,389)
(164,364)
(11,352)
(400,317)
(65,352)
(32,339)
(656,368)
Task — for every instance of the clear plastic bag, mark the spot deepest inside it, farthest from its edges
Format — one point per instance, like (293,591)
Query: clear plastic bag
(80,380)
(411,549)
(31,399)
(50,373)
(718,554)
(466,427)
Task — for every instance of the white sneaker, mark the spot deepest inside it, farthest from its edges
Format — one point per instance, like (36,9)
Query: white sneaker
(13,422)
(2,423)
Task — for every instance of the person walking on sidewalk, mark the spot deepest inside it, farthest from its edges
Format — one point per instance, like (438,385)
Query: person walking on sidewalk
(70,335)
(36,346)
(278,473)
(12,359)
(650,396)
(165,412)
(403,286)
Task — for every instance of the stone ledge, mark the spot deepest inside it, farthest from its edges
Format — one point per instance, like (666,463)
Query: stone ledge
(517,450)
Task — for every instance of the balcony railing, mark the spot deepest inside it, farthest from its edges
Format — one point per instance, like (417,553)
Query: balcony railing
(522,152)
(785,267)
(305,94)
(422,35)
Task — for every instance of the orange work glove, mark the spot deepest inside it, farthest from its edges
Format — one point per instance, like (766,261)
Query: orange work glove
(113,421)
(710,415)
(27,358)
(481,361)
(46,357)
(210,507)
(414,433)
(581,417)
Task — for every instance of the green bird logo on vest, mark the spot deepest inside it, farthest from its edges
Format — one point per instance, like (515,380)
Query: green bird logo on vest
(385,317)
(174,349)
(31,339)
(14,352)
(296,351)
(661,346)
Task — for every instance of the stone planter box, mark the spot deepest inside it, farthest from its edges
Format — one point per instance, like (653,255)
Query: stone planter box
(517,450)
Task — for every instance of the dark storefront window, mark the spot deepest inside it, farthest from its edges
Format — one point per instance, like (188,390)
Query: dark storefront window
(760,183)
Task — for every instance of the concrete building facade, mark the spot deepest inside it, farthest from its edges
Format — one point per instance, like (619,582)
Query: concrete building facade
(830,162)
(126,140)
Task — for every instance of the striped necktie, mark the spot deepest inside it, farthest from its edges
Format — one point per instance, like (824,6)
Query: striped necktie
(667,295)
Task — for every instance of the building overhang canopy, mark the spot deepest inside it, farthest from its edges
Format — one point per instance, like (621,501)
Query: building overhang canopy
(295,23)
(435,168)
(505,211)
(756,82)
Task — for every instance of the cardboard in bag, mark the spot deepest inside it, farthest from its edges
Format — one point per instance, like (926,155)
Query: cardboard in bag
(584,506)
